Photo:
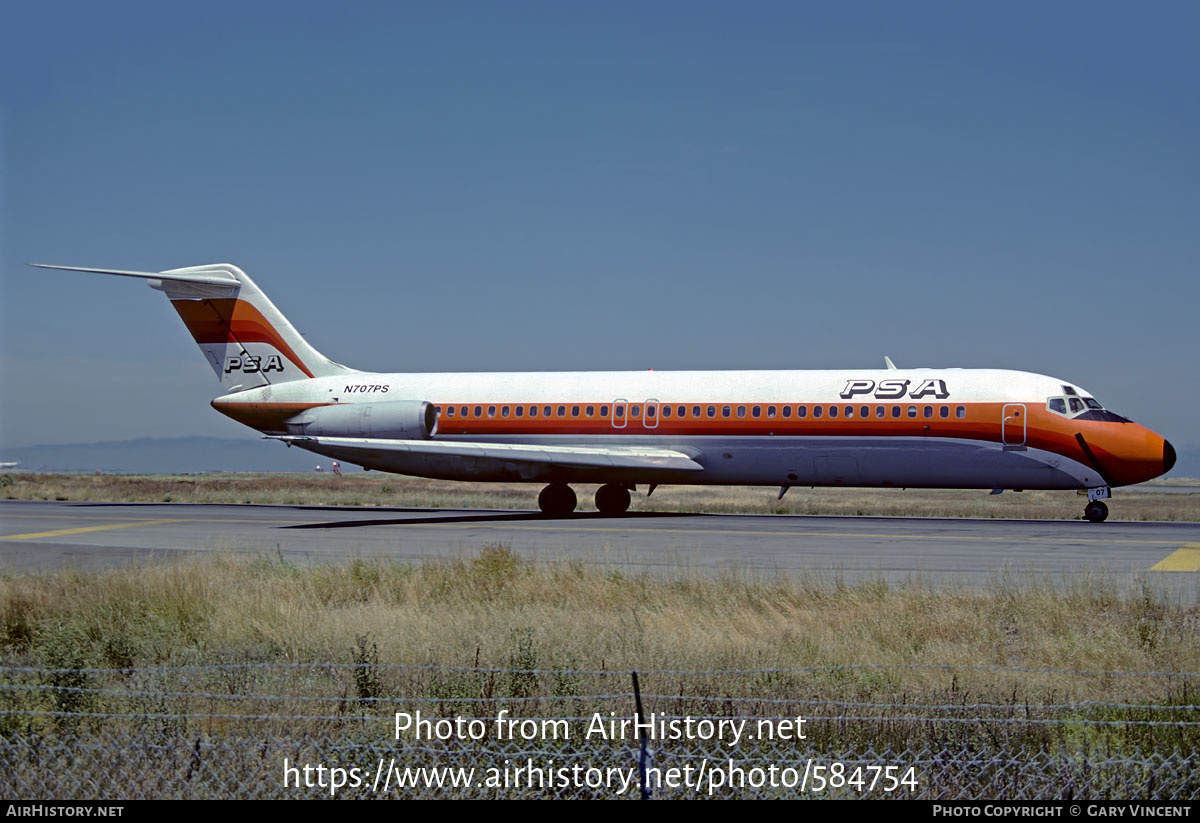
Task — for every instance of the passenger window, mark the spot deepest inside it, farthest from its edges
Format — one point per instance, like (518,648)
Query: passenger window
(756,411)
(895,411)
(848,412)
(741,411)
(449,411)
(865,411)
(695,411)
(833,411)
(770,411)
(880,411)
(666,411)
(462,412)
(725,411)
(787,411)
(961,411)
(533,411)
(574,411)
(912,411)
(712,411)
(604,411)
(504,411)
(681,411)
(816,411)
(479,411)
(945,411)
(545,411)
(928,411)
(620,410)
(562,411)
(649,411)
(802,411)
(491,411)
(591,411)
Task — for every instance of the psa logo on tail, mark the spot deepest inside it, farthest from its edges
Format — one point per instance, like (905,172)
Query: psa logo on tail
(249,363)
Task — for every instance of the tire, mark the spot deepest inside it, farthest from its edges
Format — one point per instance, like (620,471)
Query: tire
(612,499)
(1096,512)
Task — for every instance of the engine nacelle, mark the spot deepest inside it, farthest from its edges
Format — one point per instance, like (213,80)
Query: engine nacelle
(390,419)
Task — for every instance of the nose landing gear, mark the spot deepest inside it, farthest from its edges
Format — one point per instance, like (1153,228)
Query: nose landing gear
(1095,511)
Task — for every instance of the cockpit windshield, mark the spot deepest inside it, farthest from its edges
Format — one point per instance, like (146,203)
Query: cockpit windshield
(1079,407)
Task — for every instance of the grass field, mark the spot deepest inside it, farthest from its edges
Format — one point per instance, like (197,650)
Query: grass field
(495,609)
(371,489)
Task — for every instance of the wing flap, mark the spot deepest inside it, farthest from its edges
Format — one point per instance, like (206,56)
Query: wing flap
(580,457)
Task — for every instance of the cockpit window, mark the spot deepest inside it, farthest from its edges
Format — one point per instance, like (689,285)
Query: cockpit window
(1082,408)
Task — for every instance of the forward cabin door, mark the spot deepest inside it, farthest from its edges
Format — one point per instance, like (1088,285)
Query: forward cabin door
(1012,426)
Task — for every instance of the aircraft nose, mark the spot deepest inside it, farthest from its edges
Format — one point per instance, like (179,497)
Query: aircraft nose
(1168,457)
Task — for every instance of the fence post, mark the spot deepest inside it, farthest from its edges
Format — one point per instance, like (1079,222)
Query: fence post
(644,756)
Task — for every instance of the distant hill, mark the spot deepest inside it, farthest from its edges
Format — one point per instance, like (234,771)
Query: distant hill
(177,455)
(168,455)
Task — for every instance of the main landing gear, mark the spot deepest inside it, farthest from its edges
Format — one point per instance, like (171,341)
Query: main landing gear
(612,499)
(558,499)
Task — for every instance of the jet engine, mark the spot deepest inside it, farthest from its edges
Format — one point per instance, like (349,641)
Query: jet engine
(390,419)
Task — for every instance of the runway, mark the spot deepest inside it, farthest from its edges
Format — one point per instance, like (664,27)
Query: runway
(44,536)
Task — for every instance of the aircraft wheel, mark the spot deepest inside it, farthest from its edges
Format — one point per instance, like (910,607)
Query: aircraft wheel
(557,499)
(612,499)
(1096,512)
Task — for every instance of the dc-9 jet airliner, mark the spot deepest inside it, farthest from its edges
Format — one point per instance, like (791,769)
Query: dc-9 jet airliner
(931,428)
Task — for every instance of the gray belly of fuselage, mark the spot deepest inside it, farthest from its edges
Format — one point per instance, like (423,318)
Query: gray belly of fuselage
(798,461)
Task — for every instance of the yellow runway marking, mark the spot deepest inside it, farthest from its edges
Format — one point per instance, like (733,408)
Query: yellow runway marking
(60,532)
(1187,559)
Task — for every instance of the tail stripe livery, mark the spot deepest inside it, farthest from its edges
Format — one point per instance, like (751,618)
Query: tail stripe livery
(225,320)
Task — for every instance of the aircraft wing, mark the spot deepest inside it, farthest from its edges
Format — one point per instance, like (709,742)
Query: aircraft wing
(527,459)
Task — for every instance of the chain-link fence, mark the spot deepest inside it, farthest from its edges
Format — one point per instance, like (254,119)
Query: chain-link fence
(375,730)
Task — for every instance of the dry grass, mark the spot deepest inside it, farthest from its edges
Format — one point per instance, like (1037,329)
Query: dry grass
(483,610)
(879,648)
(371,489)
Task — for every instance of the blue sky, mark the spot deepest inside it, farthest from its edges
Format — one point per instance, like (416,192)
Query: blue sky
(568,185)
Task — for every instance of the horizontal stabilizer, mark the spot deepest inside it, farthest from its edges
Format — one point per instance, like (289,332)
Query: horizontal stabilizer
(577,457)
(216,277)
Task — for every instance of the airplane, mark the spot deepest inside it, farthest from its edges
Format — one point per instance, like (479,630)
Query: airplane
(909,428)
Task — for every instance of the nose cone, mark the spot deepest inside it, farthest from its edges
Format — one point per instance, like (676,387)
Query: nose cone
(1168,457)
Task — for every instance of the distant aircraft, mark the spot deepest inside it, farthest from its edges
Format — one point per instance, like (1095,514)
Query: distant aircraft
(10,465)
(933,428)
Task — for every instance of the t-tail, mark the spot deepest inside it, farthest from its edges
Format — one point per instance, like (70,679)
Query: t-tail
(247,341)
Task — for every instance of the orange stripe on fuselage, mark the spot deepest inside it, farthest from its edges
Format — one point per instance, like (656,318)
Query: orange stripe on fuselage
(1130,452)
(230,320)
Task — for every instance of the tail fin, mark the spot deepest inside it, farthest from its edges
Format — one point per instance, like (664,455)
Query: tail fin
(246,340)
